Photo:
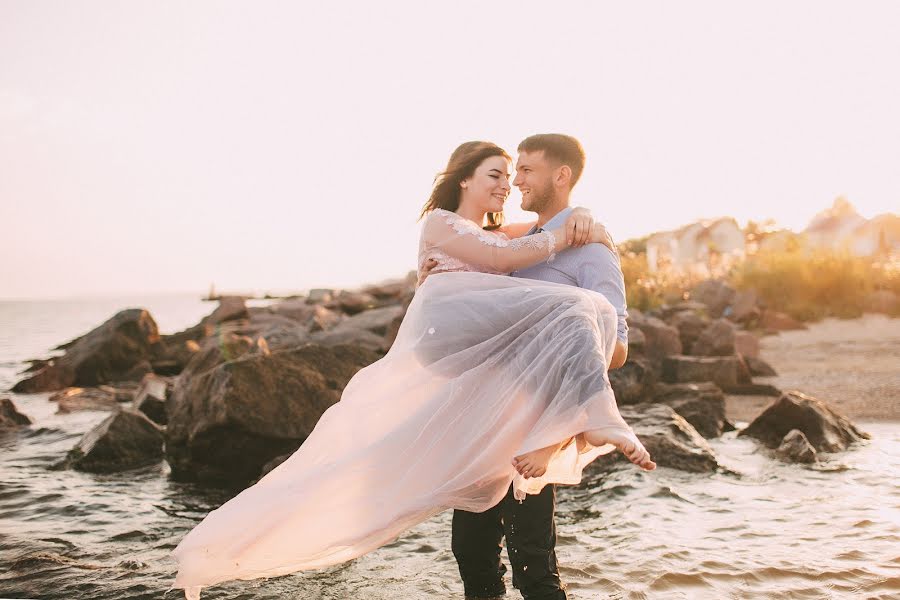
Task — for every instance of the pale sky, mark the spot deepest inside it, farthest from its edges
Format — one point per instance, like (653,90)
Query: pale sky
(153,146)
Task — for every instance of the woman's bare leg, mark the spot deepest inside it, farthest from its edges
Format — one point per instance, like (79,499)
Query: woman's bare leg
(626,443)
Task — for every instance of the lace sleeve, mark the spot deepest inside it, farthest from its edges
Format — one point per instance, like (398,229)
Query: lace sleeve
(464,240)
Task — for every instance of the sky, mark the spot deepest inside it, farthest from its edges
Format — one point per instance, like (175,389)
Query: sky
(159,146)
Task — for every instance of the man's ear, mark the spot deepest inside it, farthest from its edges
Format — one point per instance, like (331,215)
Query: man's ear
(563,175)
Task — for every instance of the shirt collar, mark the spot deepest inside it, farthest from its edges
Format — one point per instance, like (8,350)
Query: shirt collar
(556,222)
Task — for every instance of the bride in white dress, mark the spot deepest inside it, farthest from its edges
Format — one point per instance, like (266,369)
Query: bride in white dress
(485,368)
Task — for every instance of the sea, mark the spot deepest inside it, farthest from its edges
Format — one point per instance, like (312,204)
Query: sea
(757,529)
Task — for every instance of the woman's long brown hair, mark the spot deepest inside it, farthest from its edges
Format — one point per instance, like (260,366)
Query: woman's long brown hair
(462,164)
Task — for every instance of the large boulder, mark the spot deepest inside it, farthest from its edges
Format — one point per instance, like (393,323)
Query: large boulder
(225,423)
(75,399)
(701,404)
(826,429)
(117,350)
(353,303)
(716,340)
(715,294)
(746,344)
(150,398)
(277,330)
(124,440)
(670,439)
(377,320)
(230,308)
(690,324)
(745,307)
(634,381)
(759,367)
(293,308)
(724,371)
(348,336)
(661,339)
(10,418)
(796,448)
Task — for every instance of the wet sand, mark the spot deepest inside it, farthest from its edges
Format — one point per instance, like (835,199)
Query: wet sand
(853,364)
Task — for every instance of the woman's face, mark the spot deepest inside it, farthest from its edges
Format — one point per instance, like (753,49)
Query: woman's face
(488,188)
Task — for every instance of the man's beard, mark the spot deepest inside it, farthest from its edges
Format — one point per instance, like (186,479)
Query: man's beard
(543,199)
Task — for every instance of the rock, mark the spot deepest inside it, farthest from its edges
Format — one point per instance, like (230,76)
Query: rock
(661,340)
(392,331)
(277,331)
(721,370)
(294,308)
(108,353)
(637,341)
(150,398)
(634,381)
(745,307)
(345,336)
(690,325)
(124,440)
(230,308)
(666,312)
(777,321)
(76,398)
(11,418)
(759,367)
(701,404)
(753,389)
(376,320)
(670,439)
(353,303)
(394,289)
(175,351)
(716,340)
(826,429)
(796,448)
(217,350)
(715,294)
(273,464)
(746,344)
(883,301)
(319,296)
(225,423)
(324,319)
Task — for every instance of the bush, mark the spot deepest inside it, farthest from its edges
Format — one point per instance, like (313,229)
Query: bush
(811,284)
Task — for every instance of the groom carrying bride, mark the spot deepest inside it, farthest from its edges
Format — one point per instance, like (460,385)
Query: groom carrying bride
(548,167)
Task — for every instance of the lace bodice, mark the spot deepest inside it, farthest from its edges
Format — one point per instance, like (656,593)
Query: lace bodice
(458,244)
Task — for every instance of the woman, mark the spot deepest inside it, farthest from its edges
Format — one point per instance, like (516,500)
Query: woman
(484,368)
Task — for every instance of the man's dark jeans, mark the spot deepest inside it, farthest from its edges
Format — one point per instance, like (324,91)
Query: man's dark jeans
(530,531)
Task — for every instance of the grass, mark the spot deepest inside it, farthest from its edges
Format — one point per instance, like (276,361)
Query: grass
(806,284)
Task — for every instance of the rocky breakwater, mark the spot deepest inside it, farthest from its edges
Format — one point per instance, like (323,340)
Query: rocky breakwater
(683,360)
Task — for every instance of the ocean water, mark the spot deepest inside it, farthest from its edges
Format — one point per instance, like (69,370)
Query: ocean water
(766,530)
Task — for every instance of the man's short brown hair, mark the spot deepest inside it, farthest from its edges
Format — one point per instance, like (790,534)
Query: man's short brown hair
(559,148)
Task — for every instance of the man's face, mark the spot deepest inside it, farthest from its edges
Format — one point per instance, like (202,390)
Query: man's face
(534,178)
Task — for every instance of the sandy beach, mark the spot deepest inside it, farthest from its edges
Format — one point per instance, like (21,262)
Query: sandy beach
(854,364)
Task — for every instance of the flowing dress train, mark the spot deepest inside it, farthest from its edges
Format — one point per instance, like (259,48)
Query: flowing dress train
(484,368)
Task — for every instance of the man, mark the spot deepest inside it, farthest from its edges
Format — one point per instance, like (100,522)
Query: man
(548,167)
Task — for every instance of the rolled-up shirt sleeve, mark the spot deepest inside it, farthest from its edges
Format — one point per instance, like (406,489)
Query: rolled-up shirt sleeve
(600,271)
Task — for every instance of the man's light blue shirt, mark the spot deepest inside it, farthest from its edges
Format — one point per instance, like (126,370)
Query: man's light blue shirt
(592,267)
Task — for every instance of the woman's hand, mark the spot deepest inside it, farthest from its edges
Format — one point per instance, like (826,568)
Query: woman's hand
(578,227)
(599,235)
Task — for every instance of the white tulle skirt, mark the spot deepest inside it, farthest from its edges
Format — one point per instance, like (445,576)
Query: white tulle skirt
(484,368)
